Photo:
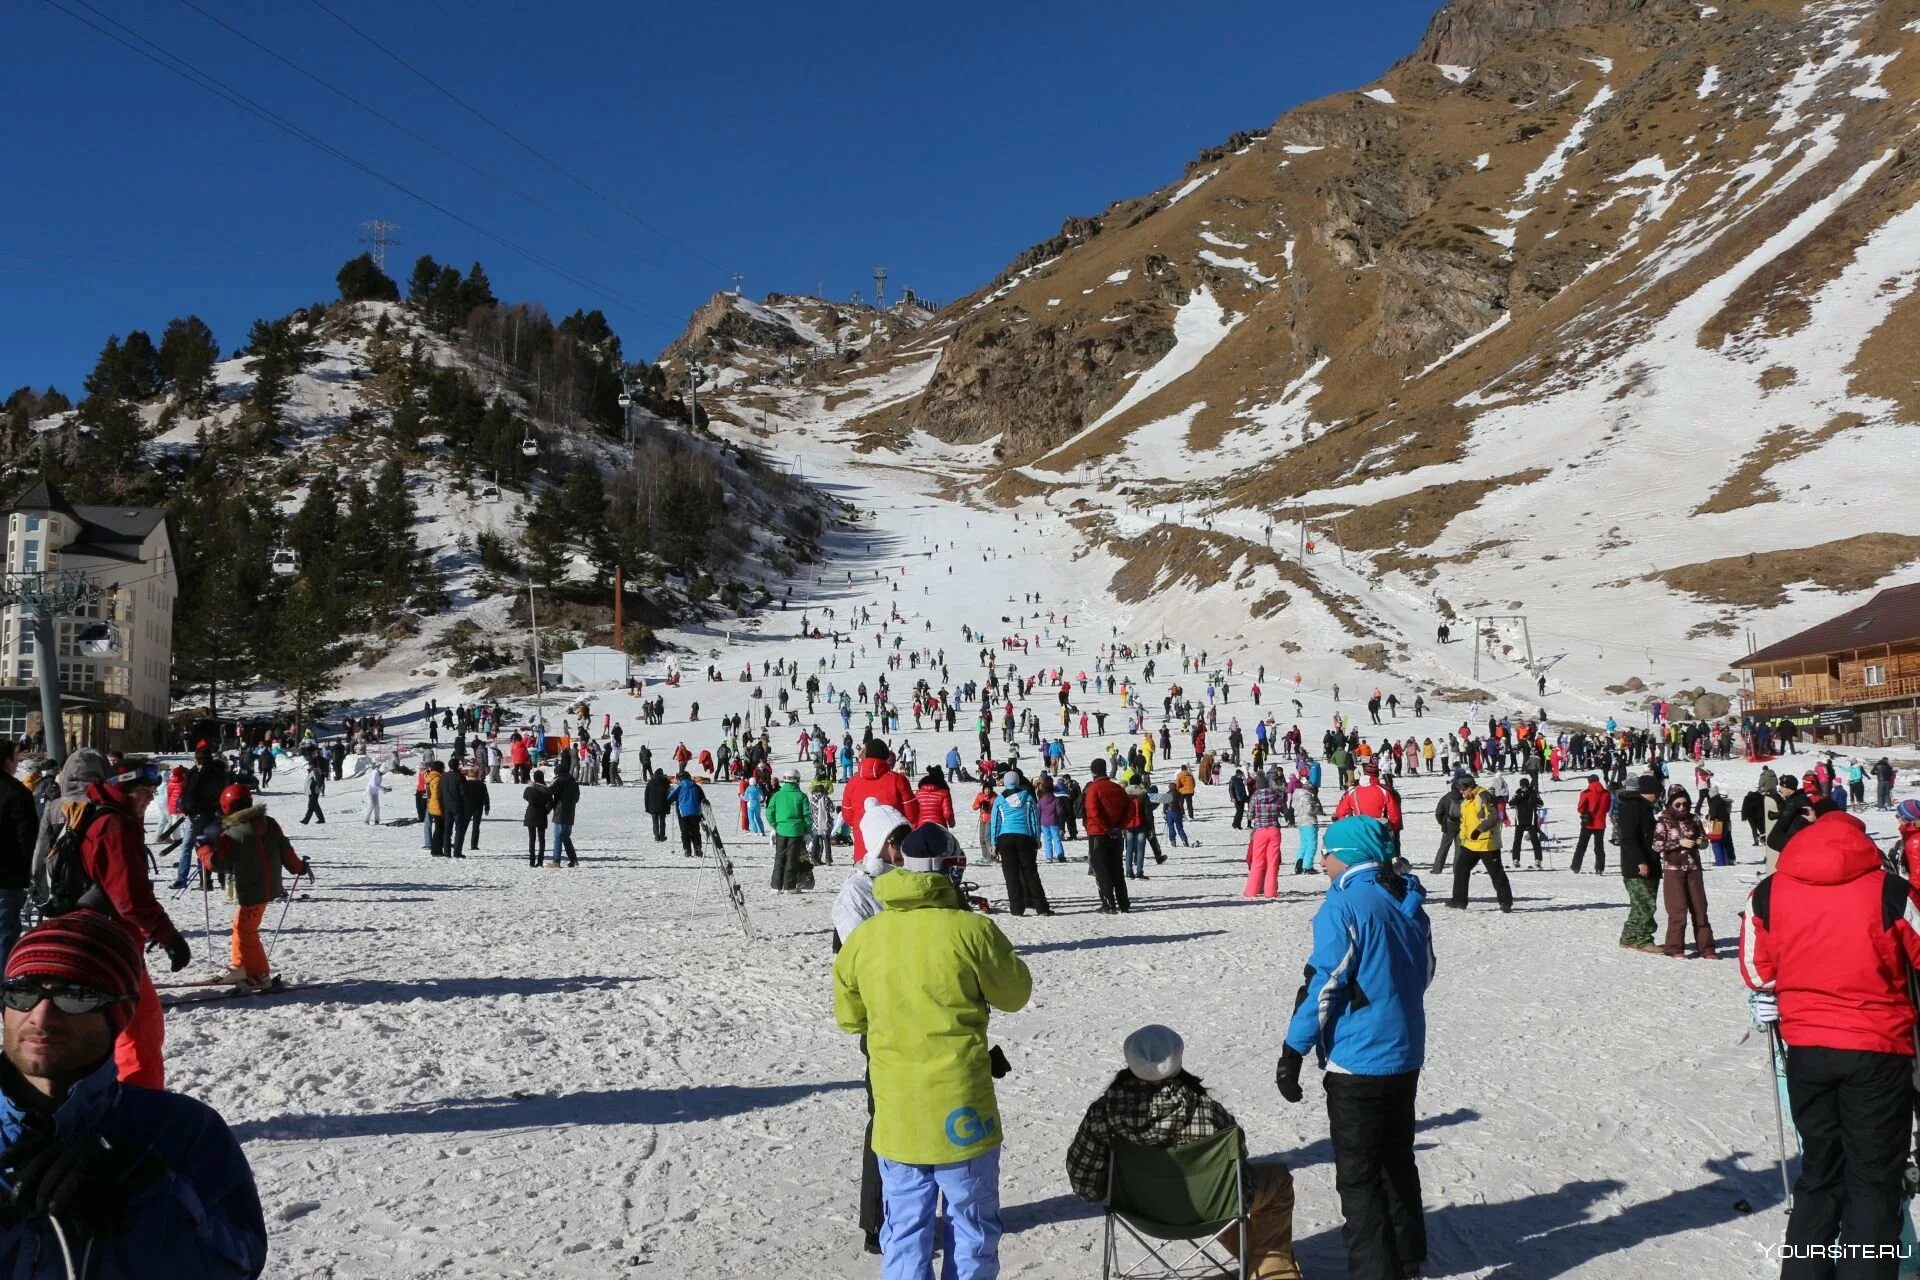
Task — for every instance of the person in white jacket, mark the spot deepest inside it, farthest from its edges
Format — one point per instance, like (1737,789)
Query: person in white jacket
(376,774)
(882,828)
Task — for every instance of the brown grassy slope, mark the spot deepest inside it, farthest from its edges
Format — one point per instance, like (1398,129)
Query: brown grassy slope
(1759,580)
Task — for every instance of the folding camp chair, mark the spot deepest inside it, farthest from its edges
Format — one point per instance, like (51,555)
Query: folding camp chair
(1168,1198)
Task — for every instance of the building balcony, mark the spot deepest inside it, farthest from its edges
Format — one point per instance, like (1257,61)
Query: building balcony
(1841,694)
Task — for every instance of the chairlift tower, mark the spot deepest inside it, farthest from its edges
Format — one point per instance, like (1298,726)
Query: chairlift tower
(879,288)
(42,598)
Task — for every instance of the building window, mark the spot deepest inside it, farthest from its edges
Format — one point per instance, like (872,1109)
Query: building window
(13,719)
(33,524)
(116,719)
(114,680)
(77,676)
(23,671)
(1893,726)
(30,556)
(1786,680)
(1876,674)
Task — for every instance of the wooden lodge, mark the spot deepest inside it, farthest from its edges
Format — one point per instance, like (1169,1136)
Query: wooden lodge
(1854,679)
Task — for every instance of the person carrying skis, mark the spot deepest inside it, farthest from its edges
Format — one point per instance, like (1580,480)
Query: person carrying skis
(130,1181)
(1371,935)
(1828,946)
(917,982)
(251,851)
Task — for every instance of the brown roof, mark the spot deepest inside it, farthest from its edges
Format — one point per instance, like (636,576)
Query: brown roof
(1889,618)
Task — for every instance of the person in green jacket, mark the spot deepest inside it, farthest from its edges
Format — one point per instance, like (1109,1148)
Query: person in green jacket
(916,981)
(790,819)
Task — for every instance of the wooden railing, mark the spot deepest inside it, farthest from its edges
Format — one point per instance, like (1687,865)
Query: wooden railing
(1844,693)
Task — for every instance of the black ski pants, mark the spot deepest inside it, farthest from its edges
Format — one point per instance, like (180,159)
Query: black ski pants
(690,835)
(1370,1122)
(1854,1112)
(1463,872)
(460,825)
(1103,852)
(313,810)
(1239,812)
(789,856)
(1599,838)
(1520,834)
(536,844)
(1019,865)
(659,826)
(1447,837)
(872,1206)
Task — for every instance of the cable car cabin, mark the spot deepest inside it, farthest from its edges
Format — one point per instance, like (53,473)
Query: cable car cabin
(490,491)
(285,563)
(529,449)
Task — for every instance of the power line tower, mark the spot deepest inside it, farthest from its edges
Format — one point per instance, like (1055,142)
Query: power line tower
(879,288)
(380,235)
(736,284)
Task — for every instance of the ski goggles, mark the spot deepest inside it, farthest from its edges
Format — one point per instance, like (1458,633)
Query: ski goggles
(23,995)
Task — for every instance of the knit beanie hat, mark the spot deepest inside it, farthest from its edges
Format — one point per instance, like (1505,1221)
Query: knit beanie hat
(877,823)
(81,949)
(1357,839)
(931,847)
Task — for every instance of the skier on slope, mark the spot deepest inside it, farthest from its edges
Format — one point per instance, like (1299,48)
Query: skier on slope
(251,851)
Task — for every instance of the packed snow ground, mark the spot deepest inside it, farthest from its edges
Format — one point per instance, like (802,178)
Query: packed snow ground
(503,1071)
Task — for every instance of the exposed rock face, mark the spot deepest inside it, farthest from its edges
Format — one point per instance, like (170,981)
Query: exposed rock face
(1466,31)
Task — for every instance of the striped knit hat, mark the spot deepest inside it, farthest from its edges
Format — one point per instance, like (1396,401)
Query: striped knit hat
(82,949)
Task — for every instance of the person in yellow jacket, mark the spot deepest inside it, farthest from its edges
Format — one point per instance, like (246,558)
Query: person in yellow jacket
(1479,843)
(917,981)
(1146,750)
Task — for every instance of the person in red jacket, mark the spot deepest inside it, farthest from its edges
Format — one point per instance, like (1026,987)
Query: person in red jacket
(113,852)
(933,800)
(1594,805)
(1829,945)
(1908,815)
(1110,811)
(1370,800)
(875,778)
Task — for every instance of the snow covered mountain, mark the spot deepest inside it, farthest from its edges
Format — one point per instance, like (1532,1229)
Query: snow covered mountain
(515,463)
(1589,311)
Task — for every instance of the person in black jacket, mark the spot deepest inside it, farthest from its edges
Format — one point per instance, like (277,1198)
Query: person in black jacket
(477,802)
(1447,814)
(450,837)
(1526,820)
(656,804)
(1640,866)
(566,795)
(316,787)
(539,805)
(1753,812)
(19,829)
(201,804)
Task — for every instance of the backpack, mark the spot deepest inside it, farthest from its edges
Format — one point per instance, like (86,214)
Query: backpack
(62,883)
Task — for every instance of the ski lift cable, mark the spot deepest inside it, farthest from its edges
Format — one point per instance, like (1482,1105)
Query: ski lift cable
(179,66)
(528,147)
(431,145)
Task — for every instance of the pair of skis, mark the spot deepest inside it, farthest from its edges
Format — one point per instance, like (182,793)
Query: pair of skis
(178,993)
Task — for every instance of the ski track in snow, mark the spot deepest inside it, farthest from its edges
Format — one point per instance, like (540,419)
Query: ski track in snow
(518,1072)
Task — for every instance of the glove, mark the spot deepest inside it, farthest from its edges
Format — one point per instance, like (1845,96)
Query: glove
(83,1181)
(178,954)
(307,870)
(1763,1010)
(997,1062)
(1286,1076)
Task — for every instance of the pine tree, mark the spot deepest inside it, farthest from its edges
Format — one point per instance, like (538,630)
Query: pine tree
(583,500)
(305,651)
(271,365)
(420,283)
(108,379)
(362,280)
(140,367)
(445,301)
(188,353)
(313,534)
(475,291)
(545,541)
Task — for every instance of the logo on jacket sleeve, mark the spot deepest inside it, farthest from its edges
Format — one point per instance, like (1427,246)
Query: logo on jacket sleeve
(966,1127)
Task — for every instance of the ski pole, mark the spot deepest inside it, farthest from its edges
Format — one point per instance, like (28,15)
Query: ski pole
(1779,1117)
(285,907)
(206,912)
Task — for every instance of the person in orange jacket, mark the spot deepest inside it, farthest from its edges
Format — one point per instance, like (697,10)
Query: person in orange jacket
(251,850)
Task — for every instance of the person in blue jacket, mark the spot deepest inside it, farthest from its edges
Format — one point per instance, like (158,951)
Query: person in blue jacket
(98,1178)
(1014,829)
(1363,1013)
(689,802)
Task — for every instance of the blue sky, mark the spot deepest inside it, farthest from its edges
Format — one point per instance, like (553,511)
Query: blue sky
(799,144)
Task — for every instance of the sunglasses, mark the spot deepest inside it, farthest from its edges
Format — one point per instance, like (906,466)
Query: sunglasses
(23,995)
